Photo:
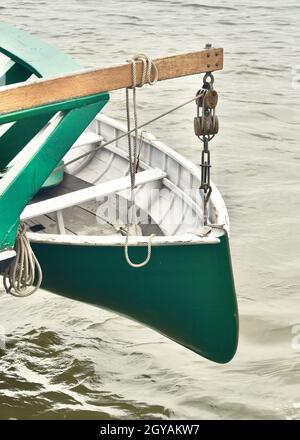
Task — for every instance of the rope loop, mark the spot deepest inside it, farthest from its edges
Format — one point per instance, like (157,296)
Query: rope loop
(21,273)
(148,69)
(149,252)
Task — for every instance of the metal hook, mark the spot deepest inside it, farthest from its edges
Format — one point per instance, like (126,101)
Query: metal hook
(211,81)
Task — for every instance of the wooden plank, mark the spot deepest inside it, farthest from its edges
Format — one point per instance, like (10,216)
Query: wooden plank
(84,195)
(70,183)
(77,85)
(86,138)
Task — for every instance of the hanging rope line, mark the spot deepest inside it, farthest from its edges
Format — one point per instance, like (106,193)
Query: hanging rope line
(103,145)
(148,67)
(24,269)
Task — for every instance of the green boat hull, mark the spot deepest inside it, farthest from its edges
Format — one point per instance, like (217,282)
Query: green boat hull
(186,292)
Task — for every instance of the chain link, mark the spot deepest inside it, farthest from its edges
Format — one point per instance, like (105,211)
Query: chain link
(206,127)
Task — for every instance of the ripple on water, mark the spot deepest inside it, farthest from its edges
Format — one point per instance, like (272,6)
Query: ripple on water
(68,360)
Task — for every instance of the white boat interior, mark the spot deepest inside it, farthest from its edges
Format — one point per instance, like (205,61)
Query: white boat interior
(91,203)
(92,199)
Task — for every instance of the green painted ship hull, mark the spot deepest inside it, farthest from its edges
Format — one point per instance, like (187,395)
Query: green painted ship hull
(186,292)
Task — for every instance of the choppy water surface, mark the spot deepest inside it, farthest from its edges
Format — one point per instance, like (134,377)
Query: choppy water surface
(69,360)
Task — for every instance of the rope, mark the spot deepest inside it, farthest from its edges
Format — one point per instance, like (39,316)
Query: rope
(149,251)
(103,145)
(21,273)
(148,67)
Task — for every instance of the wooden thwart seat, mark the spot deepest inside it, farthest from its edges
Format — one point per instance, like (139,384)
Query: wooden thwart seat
(86,194)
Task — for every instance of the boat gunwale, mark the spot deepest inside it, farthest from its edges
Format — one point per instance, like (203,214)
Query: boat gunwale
(119,240)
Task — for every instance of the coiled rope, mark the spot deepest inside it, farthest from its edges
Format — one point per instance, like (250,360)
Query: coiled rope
(24,269)
(148,68)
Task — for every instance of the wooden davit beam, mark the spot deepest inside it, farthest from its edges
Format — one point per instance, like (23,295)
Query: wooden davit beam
(90,82)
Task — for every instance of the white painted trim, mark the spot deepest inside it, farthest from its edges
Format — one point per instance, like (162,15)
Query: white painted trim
(26,154)
(5,127)
(86,138)
(7,67)
(118,240)
(4,59)
(5,255)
